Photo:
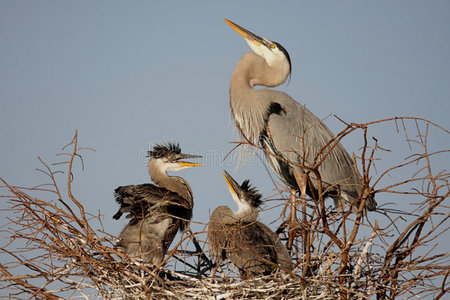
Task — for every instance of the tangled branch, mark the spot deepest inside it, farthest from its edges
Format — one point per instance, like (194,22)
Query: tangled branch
(52,250)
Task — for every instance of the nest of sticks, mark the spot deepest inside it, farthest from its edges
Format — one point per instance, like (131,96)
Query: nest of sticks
(52,250)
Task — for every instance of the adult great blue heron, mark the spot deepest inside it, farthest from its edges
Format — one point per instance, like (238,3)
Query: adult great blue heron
(238,236)
(158,211)
(286,129)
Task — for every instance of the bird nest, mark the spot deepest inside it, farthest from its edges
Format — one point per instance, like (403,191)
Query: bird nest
(53,251)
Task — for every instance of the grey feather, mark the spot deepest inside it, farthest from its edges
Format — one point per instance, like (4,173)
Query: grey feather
(283,126)
(157,212)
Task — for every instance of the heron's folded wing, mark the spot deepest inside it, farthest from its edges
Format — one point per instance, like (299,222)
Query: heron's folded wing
(138,200)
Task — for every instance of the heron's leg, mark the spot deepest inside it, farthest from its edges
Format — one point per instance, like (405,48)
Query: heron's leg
(302,180)
(292,219)
(214,270)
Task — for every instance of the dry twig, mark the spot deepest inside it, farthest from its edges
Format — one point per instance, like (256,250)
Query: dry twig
(53,251)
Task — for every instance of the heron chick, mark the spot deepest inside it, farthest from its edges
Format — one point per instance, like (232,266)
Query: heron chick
(239,237)
(157,211)
(290,134)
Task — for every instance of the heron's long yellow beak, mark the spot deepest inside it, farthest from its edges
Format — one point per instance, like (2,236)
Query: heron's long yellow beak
(249,36)
(228,183)
(188,164)
(232,184)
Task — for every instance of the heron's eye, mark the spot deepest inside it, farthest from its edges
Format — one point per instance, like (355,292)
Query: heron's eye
(272,46)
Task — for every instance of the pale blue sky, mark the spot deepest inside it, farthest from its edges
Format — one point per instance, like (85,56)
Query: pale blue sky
(128,74)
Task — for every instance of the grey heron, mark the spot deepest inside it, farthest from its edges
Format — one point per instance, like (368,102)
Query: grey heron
(287,130)
(157,211)
(239,237)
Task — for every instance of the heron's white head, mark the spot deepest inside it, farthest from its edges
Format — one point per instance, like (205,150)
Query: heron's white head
(246,197)
(168,158)
(274,54)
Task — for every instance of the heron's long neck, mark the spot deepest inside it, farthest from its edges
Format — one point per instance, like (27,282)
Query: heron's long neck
(225,215)
(248,105)
(172,183)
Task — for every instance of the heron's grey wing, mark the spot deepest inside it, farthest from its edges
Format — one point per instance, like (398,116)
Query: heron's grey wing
(282,255)
(135,242)
(298,135)
(217,237)
(156,216)
(251,248)
(143,241)
(137,200)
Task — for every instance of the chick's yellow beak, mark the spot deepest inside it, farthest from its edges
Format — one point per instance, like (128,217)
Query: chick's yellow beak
(188,164)
(228,183)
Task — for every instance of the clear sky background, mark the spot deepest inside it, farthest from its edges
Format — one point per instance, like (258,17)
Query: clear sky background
(128,74)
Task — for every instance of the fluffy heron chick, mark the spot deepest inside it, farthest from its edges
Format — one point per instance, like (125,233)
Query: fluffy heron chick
(239,237)
(157,211)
